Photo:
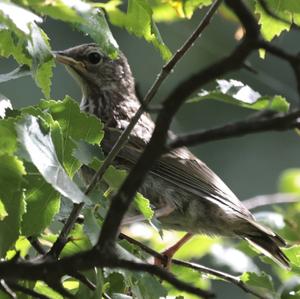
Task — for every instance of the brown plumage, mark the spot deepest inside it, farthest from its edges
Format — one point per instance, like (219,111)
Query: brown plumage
(185,193)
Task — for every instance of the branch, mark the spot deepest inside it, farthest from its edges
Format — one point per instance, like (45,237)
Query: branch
(275,122)
(270,199)
(224,276)
(51,271)
(166,70)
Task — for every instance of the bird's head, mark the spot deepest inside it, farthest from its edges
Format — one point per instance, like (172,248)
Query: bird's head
(95,71)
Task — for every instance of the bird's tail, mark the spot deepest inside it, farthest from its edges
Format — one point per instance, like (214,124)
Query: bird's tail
(268,243)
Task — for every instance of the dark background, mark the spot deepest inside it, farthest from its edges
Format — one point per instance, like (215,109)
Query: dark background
(250,165)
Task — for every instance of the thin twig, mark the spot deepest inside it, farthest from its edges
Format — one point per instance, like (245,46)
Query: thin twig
(203,269)
(36,245)
(225,276)
(270,199)
(166,70)
(275,122)
(6,289)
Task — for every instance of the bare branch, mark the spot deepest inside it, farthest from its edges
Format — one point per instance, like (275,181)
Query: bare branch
(51,271)
(270,199)
(203,269)
(274,122)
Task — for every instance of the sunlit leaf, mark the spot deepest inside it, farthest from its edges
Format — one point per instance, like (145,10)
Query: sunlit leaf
(78,241)
(142,204)
(8,140)
(271,27)
(261,281)
(189,6)
(42,58)
(290,181)
(3,212)
(237,93)
(82,15)
(293,253)
(11,175)
(15,16)
(41,151)
(11,46)
(43,289)
(138,21)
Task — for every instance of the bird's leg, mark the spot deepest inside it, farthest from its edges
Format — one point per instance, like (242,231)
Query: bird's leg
(169,253)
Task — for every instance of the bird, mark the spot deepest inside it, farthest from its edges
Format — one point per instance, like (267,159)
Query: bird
(185,194)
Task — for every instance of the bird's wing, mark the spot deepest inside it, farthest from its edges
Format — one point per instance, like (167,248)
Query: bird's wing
(181,168)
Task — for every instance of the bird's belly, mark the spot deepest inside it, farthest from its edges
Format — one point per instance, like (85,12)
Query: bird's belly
(191,213)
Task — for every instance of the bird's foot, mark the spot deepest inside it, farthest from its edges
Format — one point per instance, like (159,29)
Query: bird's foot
(165,260)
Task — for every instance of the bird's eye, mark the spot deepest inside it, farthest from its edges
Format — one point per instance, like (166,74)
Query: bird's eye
(94,57)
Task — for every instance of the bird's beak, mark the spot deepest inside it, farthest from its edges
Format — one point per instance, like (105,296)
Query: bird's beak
(61,57)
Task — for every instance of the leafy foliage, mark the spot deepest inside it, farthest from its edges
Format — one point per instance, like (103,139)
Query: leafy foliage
(237,93)
(43,147)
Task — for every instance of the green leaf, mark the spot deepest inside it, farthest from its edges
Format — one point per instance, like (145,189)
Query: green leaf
(42,203)
(42,59)
(75,126)
(43,289)
(78,242)
(138,21)
(11,46)
(147,286)
(11,175)
(83,16)
(189,6)
(16,17)
(96,27)
(293,253)
(188,275)
(289,181)
(8,140)
(96,277)
(3,212)
(41,153)
(287,10)
(22,247)
(237,93)
(142,204)
(261,281)
(91,225)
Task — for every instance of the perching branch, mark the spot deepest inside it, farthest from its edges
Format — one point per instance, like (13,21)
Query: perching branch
(51,271)
(274,122)
(202,269)
(270,199)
